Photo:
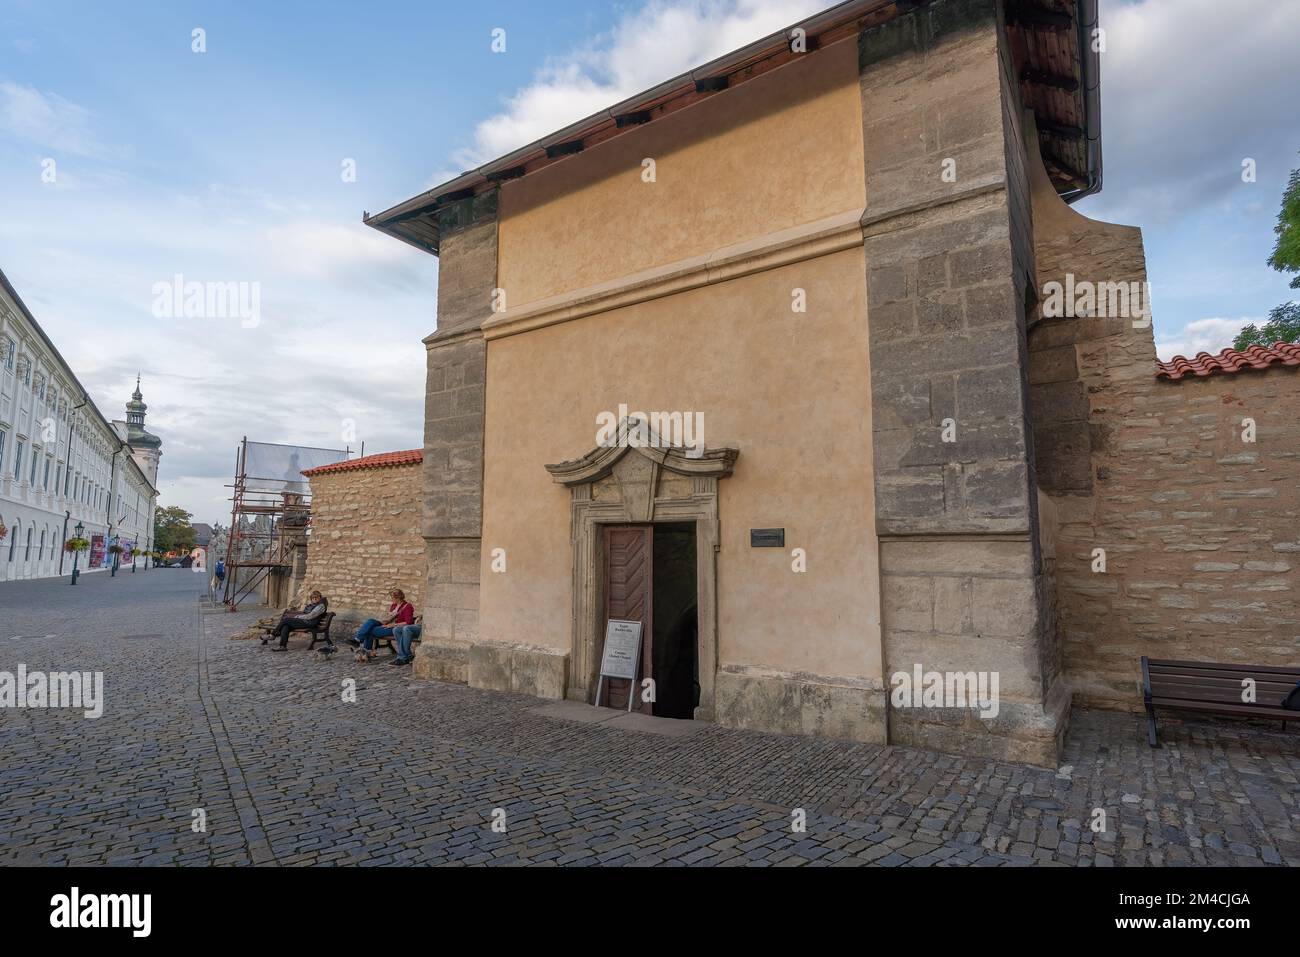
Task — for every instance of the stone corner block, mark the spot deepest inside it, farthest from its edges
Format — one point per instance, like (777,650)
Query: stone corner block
(836,709)
(438,661)
(1024,733)
(526,669)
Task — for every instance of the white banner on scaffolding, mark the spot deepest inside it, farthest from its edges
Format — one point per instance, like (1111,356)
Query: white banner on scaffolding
(279,468)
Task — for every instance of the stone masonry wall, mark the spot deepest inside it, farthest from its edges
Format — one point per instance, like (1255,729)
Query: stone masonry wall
(948,262)
(455,398)
(365,540)
(1199,531)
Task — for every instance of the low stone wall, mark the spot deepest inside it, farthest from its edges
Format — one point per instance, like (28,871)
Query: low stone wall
(365,539)
(1200,531)
(1174,538)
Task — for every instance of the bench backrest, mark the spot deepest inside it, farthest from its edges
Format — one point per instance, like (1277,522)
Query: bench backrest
(1216,682)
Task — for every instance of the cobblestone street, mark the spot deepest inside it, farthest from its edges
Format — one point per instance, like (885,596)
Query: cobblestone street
(412,772)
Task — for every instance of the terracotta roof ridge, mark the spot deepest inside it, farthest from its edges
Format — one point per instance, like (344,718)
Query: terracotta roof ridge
(1229,361)
(380,460)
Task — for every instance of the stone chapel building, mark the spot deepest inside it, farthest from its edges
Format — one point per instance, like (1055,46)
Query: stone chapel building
(825,252)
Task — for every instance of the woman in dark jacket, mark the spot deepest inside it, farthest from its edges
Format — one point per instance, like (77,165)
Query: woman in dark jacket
(316,606)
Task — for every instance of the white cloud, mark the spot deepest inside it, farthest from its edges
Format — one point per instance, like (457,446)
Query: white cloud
(1203,335)
(318,249)
(48,120)
(655,43)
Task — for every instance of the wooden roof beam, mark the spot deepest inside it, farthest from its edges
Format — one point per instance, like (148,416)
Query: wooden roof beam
(1055,80)
(1026,15)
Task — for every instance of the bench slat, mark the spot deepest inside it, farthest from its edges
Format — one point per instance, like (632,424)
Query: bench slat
(1245,710)
(1274,700)
(1201,687)
(1221,666)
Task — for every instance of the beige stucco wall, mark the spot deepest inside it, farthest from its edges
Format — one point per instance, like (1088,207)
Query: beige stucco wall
(778,151)
(790,391)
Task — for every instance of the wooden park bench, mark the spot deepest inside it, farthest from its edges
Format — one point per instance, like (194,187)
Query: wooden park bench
(388,642)
(1214,688)
(319,630)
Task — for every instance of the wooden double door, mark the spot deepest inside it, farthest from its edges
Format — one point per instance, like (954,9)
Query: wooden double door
(650,576)
(629,596)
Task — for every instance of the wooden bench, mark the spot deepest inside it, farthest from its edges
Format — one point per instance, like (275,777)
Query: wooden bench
(1214,688)
(319,630)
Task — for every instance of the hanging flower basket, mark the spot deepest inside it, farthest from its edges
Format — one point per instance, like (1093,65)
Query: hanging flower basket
(116,549)
(75,545)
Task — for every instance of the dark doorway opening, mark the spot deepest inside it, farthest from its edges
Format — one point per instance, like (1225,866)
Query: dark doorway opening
(675,624)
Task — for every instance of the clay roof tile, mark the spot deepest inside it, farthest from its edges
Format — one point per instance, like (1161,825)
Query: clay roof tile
(382,460)
(1230,361)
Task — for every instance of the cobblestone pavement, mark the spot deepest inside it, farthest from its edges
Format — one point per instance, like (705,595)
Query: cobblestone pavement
(287,772)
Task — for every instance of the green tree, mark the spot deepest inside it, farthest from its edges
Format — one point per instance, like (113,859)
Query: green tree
(1286,253)
(1283,325)
(172,531)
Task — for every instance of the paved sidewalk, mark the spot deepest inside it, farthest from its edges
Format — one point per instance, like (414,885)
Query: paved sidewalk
(285,771)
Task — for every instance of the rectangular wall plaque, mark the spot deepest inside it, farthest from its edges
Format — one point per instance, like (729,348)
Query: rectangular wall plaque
(767,538)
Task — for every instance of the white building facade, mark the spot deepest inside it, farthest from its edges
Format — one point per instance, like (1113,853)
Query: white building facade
(62,462)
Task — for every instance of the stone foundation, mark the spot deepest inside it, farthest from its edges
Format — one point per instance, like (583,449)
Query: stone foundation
(527,669)
(441,661)
(812,705)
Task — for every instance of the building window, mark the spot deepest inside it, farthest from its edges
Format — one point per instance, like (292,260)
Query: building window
(2,448)
(18,460)
(7,350)
(38,389)
(13,538)
(31,478)
(40,552)
(27,552)
(25,371)
(45,483)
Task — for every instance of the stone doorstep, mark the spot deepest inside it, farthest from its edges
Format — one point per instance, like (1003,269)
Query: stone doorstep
(616,718)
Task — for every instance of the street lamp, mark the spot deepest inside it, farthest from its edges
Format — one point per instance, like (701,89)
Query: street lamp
(77,531)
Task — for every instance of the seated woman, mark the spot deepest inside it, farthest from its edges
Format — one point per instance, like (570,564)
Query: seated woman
(315,607)
(403,635)
(400,612)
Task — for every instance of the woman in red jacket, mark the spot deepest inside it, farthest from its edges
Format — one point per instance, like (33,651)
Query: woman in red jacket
(400,612)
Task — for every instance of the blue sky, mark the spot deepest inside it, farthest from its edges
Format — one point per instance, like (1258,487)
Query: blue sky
(225,166)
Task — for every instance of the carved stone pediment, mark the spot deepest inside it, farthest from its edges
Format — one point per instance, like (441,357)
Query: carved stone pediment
(637,437)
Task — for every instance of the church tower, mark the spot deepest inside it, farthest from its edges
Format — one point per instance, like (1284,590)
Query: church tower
(146,449)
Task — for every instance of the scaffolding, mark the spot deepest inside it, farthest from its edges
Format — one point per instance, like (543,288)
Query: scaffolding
(270,511)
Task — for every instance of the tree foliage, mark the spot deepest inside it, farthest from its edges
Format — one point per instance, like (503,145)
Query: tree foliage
(172,531)
(1286,252)
(1283,325)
